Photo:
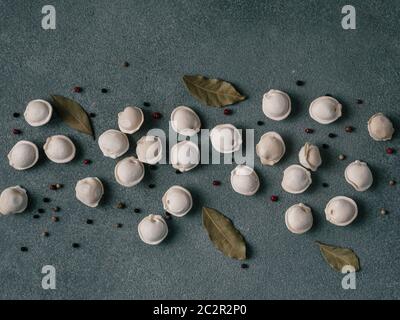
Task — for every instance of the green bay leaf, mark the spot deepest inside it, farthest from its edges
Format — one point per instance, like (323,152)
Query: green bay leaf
(223,234)
(212,92)
(338,257)
(73,114)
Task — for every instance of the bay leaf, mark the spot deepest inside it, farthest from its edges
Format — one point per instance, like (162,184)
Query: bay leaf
(73,114)
(338,257)
(212,92)
(223,234)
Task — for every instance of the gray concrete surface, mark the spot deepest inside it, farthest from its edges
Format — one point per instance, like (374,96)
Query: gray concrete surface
(257,45)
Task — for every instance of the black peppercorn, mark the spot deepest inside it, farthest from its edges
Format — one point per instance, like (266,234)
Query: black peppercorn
(24,249)
(75,245)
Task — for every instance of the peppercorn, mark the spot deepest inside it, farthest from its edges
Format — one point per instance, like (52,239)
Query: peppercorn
(136,210)
(151,185)
(75,245)
(92,115)
(77,89)
(244,266)
(118,225)
(89,221)
(146,104)
(389,150)
(274,198)
(300,83)
(125,64)
(16,114)
(156,115)
(342,157)
(308,130)
(36,216)
(46,200)
(55,209)
(40,210)
(392,182)
(332,135)
(383,211)
(45,234)
(24,249)
(121,205)
(349,129)
(104,90)
(86,161)
(216,183)
(325,146)
(227,112)
(325,185)
(55,219)
(260,123)
(16,131)
(53,187)
(359,101)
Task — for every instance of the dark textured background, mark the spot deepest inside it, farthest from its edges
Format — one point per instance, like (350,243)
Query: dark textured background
(257,45)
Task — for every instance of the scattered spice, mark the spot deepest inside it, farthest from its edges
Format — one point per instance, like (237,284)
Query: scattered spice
(75,245)
(77,89)
(308,130)
(325,185)
(24,249)
(45,234)
(300,83)
(392,182)
(46,200)
(55,219)
(136,210)
(216,183)
(125,64)
(146,104)
(118,225)
(227,112)
(383,211)
(359,101)
(332,135)
(325,146)
(53,187)
(55,209)
(121,205)
(389,150)
(244,266)
(274,198)
(156,115)
(260,123)
(104,90)
(40,210)
(36,216)
(89,221)
(86,162)
(16,114)
(151,185)
(349,129)
(16,131)
(342,157)
(59,186)
(92,115)
(178,171)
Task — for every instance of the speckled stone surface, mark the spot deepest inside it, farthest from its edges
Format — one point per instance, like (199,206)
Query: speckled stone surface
(257,45)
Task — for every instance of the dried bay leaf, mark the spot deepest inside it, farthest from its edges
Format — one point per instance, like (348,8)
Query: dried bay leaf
(338,257)
(72,114)
(212,92)
(223,234)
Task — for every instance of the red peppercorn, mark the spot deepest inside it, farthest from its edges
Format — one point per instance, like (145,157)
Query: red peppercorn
(86,161)
(216,183)
(227,112)
(274,198)
(156,115)
(16,131)
(77,89)
(308,130)
(389,150)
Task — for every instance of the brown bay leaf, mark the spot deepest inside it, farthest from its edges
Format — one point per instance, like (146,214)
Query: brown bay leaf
(212,92)
(73,114)
(223,234)
(338,257)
